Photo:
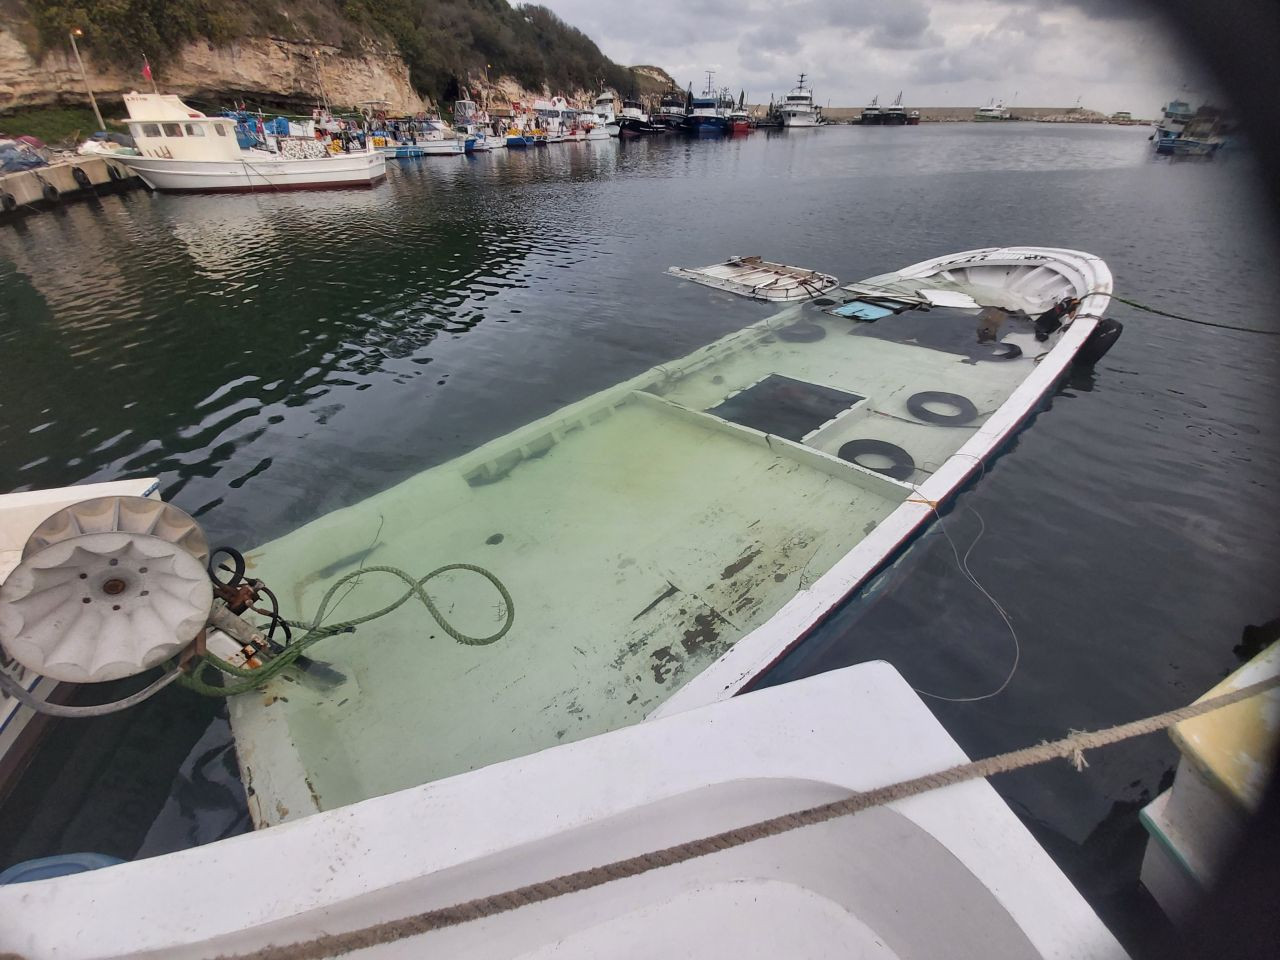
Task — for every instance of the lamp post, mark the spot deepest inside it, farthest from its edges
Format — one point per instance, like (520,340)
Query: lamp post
(77,32)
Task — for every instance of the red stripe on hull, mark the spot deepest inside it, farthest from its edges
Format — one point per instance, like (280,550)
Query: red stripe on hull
(282,188)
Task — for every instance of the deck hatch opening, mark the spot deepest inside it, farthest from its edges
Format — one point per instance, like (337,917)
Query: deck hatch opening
(785,407)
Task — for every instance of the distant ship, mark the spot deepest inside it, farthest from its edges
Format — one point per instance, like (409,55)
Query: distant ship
(895,114)
(995,110)
(871,113)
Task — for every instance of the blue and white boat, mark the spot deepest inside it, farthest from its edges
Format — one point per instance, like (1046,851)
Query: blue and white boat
(707,117)
(1174,117)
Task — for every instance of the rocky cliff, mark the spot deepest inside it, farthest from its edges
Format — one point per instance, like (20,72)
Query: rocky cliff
(270,69)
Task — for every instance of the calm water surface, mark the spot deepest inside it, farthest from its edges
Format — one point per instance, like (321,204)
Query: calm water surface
(272,358)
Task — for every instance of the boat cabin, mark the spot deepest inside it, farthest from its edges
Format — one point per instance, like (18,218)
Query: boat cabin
(163,126)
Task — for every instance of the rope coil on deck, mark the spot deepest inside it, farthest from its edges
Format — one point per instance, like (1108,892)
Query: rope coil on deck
(1071,748)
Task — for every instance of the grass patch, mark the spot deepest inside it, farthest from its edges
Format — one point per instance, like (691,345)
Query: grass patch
(56,126)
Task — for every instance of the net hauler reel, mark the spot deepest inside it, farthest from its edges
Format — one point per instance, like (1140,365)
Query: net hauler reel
(112,587)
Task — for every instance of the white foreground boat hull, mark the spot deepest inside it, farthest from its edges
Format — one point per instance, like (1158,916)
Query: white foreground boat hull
(259,172)
(799,120)
(947,873)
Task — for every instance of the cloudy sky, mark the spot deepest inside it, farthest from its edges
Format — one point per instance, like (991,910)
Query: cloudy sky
(939,52)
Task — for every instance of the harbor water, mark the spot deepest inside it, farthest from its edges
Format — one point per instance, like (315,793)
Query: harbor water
(272,358)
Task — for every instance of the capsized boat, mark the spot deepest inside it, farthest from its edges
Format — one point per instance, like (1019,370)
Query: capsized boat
(183,151)
(946,873)
(665,540)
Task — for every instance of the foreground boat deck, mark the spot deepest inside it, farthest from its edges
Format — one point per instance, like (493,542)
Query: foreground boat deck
(640,536)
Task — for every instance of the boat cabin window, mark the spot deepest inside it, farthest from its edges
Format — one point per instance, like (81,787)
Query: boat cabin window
(150,129)
(195,130)
(222,131)
(172,129)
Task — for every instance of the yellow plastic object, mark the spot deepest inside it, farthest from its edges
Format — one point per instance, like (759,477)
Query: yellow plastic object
(1234,748)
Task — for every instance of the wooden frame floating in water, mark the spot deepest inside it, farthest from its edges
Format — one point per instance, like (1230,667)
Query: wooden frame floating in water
(760,279)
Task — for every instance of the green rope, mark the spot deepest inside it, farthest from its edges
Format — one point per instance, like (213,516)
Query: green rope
(253,678)
(1204,323)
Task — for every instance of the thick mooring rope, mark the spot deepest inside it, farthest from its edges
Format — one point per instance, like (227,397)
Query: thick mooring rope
(1071,748)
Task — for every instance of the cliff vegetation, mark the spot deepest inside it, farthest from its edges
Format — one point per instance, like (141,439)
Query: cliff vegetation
(442,41)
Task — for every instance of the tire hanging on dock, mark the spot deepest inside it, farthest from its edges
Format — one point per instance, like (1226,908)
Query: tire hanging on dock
(82,178)
(965,409)
(114,172)
(8,202)
(50,192)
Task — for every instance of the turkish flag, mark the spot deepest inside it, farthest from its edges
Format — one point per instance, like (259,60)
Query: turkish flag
(146,68)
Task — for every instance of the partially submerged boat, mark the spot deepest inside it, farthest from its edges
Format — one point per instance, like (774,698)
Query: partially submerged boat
(664,542)
(668,539)
(181,150)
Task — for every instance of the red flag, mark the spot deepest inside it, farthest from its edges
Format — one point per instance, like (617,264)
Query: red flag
(146,68)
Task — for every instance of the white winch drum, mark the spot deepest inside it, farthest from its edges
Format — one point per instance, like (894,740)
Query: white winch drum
(153,518)
(101,606)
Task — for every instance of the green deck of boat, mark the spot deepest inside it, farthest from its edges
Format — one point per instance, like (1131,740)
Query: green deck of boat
(639,537)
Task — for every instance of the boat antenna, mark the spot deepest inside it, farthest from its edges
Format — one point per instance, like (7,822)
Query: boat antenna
(710,89)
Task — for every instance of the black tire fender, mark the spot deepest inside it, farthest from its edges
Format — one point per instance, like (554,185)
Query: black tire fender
(900,469)
(965,409)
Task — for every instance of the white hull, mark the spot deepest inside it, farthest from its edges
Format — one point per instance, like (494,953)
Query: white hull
(259,171)
(950,873)
(799,120)
(598,133)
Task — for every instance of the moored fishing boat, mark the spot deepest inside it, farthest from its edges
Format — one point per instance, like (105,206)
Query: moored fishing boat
(181,150)
(895,115)
(995,110)
(872,114)
(605,112)
(673,111)
(797,108)
(739,118)
(472,123)
(706,118)
(1174,117)
(633,121)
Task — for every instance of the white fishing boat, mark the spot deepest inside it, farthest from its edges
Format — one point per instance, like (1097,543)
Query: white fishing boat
(797,107)
(20,515)
(182,150)
(605,109)
(994,110)
(472,123)
(947,873)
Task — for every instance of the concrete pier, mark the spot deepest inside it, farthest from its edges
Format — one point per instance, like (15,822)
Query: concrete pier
(30,191)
